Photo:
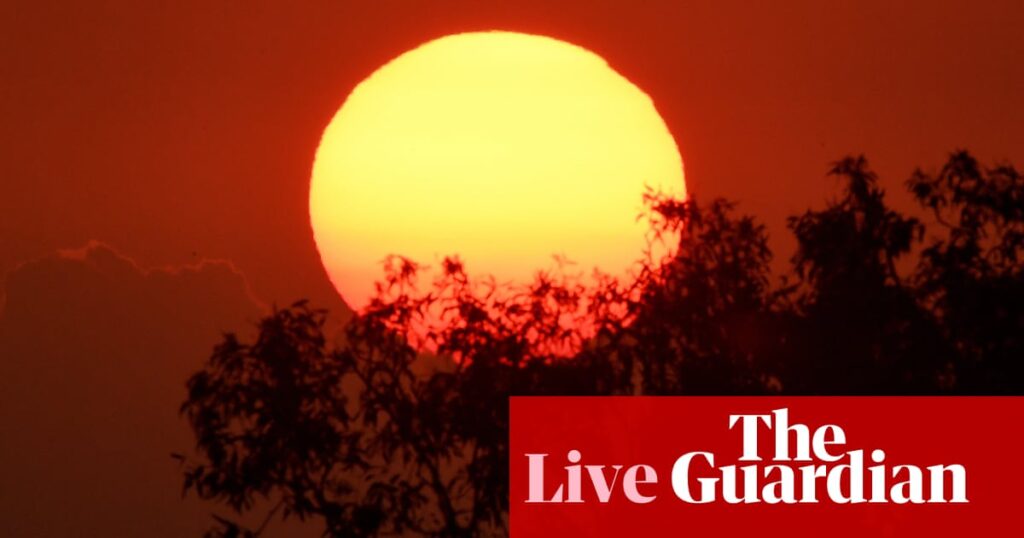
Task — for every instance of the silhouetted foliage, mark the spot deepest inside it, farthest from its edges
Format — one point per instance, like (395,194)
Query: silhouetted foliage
(971,276)
(858,327)
(372,437)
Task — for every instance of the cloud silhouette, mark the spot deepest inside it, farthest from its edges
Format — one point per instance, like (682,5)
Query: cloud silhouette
(94,352)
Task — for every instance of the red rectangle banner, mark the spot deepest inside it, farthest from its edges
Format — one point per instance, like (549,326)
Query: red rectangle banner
(771,466)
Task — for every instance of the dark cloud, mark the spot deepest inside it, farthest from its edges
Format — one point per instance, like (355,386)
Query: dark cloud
(94,352)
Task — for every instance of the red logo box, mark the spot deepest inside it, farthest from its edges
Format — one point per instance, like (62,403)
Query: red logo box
(794,466)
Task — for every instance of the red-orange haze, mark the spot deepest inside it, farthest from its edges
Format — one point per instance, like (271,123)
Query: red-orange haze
(184,131)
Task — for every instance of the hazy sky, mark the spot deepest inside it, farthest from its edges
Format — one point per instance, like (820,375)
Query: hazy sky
(186,130)
(183,131)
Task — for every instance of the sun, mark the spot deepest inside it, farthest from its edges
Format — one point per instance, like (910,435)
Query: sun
(503,148)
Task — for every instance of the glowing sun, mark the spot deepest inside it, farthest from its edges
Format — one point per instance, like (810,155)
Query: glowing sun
(505,149)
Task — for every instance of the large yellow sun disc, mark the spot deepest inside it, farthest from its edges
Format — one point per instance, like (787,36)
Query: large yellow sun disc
(505,149)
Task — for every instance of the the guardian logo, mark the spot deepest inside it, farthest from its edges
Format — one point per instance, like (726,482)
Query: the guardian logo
(804,467)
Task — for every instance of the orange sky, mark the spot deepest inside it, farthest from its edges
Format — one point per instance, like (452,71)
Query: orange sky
(186,131)
(175,134)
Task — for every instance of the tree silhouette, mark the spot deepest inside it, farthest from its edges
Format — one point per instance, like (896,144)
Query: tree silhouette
(858,326)
(371,437)
(970,276)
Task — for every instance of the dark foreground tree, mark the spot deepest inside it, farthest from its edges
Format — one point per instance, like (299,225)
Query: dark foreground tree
(370,437)
(971,273)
